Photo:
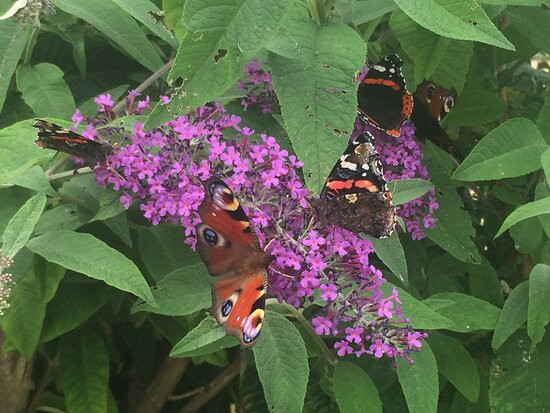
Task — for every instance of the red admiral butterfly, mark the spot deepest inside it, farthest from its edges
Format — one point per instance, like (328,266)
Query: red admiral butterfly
(431,104)
(355,195)
(383,99)
(52,136)
(227,245)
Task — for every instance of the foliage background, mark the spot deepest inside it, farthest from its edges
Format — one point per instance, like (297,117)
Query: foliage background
(478,283)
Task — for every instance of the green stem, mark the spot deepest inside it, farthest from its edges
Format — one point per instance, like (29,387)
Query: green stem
(297,314)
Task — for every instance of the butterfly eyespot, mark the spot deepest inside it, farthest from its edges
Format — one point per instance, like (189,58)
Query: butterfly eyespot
(227,306)
(448,104)
(430,90)
(210,236)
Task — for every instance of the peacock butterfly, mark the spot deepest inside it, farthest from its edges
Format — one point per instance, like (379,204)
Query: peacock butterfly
(431,104)
(230,249)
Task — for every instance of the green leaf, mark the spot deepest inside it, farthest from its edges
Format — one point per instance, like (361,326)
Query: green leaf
(109,205)
(532,209)
(13,199)
(22,224)
(223,36)
(162,250)
(12,42)
(521,382)
(464,20)
(456,364)
(421,316)
(281,361)
(453,231)
(405,190)
(88,255)
(84,371)
(538,313)
(476,107)
(390,251)
(143,11)
(543,120)
(513,314)
(181,292)
(62,217)
(511,149)
(419,380)
(468,313)
(312,78)
(545,162)
(363,11)
(114,23)
(484,283)
(72,305)
(525,18)
(527,235)
(22,321)
(354,390)
(440,59)
(18,152)
(208,337)
(45,91)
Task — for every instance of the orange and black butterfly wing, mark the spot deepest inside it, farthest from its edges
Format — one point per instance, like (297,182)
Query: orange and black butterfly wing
(228,247)
(383,99)
(52,136)
(355,195)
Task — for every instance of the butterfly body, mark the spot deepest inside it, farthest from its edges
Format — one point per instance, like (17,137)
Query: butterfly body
(355,195)
(52,136)
(383,99)
(230,249)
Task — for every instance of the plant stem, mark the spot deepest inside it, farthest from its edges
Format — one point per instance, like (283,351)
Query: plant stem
(146,83)
(331,358)
(68,174)
(213,388)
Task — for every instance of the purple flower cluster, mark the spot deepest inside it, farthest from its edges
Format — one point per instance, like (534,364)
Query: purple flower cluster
(258,87)
(402,159)
(162,169)
(6,283)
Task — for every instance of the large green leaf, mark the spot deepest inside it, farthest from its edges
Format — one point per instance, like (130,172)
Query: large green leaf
(543,120)
(453,230)
(12,42)
(118,26)
(455,364)
(513,314)
(72,305)
(18,152)
(390,251)
(163,251)
(84,371)
(520,381)
(181,292)
(484,283)
(143,11)
(538,313)
(476,107)
(512,149)
(468,313)
(405,190)
(312,78)
(525,19)
(281,361)
(354,390)
(223,36)
(208,337)
(440,59)
(22,224)
(45,91)
(464,20)
(419,380)
(88,255)
(532,209)
(421,316)
(22,323)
